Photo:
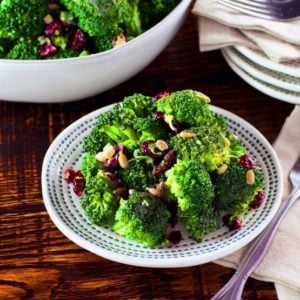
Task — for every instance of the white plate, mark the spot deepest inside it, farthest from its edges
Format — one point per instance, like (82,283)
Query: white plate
(290,68)
(264,87)
(67,214)
(279,79)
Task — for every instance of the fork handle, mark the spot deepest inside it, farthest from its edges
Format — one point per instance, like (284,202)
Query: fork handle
(252,257)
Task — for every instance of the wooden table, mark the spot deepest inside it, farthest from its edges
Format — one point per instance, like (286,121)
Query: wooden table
(37,261)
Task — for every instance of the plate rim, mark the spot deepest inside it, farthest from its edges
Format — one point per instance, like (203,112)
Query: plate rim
(267,63)
(161,262)
(259,84)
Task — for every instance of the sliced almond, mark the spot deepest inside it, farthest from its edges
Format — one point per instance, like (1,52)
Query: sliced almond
(153,191)
(48,19)
(186,134)
(222,169)
(161,145)
(123,161)
(107,153)
(250,177)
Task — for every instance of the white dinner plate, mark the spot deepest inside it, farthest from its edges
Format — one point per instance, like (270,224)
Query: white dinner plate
(65,210)
(272,77)
(266,88)
(290,68)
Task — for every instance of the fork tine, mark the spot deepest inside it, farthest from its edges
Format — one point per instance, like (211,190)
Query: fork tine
(262,13)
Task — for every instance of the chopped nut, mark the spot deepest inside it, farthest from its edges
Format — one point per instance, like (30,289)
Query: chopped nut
(250,177)
(107,153)
(131,191)
(186,134)
(48,19)
(123,161)
(153,191)
(222,169)
(161,145)
(227,142)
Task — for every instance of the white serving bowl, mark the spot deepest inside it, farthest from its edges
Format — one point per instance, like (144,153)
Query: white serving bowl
(61,80)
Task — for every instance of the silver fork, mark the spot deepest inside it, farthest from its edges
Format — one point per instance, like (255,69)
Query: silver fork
(252,257)
(281,10)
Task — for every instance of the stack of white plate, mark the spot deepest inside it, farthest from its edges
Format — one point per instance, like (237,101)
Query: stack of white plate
(278,80)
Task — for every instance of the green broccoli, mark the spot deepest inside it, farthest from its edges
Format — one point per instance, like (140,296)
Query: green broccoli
(98,200)
(188,107)
(22,19)
(90,166)
(150,129)
(152,11)
(142,218)
(208,145)
(25,48)
(190,184)
(232,192)
(138,175)
(117,125)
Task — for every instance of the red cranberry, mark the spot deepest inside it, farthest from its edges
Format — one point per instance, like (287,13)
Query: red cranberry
(174,237)
(258,200)
(112,163)
(161,95)
(248,161)
(47,49)
(119,148)
(165,164)
(233,222)
(112,178)
(158,115)
(53,28)
(149,148)
(78,184)
(78,40)
(69,175)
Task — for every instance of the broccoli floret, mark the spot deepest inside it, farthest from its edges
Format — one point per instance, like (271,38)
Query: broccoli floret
(117,125)
(90,166)
(138,175)
(98,200)
(188,107)
(142,218)
(232,192)
(150,129)
(200,223)
(152,11)
(208,145)
(25,48)
(191,185)
(22,19)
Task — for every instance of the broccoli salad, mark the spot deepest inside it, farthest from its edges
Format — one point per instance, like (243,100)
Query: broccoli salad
(47,29)
(151,162)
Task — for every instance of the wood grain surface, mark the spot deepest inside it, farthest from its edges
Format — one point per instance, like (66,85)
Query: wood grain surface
(36,260)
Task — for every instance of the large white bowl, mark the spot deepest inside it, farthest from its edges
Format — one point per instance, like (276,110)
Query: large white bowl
(77,78)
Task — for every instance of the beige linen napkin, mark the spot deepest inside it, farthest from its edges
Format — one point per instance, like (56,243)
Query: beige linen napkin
(220,26)
(282,262)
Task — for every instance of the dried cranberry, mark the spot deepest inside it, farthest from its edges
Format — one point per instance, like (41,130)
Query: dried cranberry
(47,49)
(248,161)
(119,148)
(161,95)
(69,175)
(149,148)
(112,178)
(112,163)
(54,28)
(258,200)
(233,222)
(158,115)
(174,237)
(165,164)
(174,126)
(121,193)
(78,184)
(78,40)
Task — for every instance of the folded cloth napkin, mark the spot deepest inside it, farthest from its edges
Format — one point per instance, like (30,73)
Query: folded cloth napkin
(281,264)
(220,26)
